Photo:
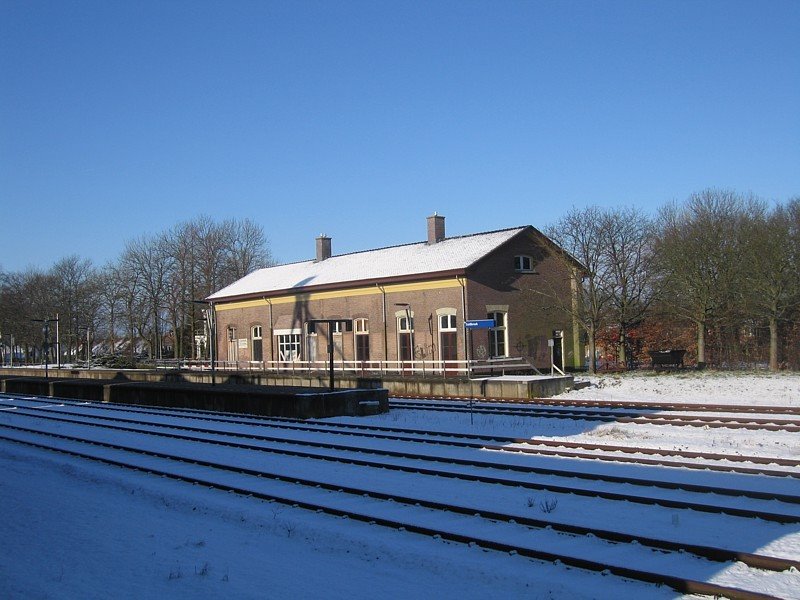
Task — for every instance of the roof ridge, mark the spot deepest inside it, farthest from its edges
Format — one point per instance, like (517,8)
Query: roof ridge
(454,237)
(416,258)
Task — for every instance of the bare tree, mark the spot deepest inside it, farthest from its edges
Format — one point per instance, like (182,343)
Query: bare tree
(579,234)
(773,291)
(627,245)
(149,259)
(699,251)
(210,247)
(27,296)
(110,296)
(76,300)
(181,242)
(247,249)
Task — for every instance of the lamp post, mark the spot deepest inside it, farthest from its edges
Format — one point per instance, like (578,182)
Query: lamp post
(58,344)
(348,324)
(46,346)
(88,342)
(210,318)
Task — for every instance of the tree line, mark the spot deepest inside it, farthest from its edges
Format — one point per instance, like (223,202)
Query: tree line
(141,303)
(716,275)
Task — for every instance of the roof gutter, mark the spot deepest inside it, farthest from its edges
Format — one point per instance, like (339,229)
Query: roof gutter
(341,286)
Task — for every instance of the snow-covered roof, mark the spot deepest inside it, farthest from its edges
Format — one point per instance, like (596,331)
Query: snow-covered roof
(449,254)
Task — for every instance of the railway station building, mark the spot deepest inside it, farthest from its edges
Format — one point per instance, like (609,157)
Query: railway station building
(407,304)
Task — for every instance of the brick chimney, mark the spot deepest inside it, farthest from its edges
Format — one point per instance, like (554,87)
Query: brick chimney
(323,247)
(435,228)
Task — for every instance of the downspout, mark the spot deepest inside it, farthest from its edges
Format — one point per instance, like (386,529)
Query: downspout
(385,330)
(463,283)
(213,344)
(271,332)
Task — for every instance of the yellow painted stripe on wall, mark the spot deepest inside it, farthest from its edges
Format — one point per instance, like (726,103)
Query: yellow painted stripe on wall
(365,291)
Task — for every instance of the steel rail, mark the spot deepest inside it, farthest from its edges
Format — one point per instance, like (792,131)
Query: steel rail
(627,404)
(678,583)
(311,425)
(768,424)
(554,488)
(461,444)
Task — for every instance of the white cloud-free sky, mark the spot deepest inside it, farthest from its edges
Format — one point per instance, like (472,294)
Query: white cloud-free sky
(359,119)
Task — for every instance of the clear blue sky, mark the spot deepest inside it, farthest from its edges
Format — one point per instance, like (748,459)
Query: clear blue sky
(359,119)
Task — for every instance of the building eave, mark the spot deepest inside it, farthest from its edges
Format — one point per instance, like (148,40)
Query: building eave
(361,283)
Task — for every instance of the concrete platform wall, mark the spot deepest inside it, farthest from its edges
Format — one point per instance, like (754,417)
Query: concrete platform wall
(281,401)
(424,386)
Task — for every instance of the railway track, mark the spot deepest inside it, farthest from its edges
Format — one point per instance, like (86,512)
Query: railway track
(610,416)
(542,447)
(624,404)
(245,442)
(370,506)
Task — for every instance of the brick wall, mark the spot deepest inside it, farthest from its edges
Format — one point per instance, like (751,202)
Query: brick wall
(532,313)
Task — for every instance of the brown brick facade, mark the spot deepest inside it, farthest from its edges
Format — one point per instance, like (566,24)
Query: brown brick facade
(526,297)
(491,284)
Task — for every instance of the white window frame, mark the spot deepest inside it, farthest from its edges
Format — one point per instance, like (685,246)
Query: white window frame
(256,334)
(403,328)
(360,328)
(498,333)
(402,324)
(447,323)
(519,263)
(233,344)
(289,344)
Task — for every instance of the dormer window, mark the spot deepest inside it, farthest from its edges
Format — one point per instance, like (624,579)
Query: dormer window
(523,263)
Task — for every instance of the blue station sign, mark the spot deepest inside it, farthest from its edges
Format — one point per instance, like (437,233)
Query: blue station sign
(479,324)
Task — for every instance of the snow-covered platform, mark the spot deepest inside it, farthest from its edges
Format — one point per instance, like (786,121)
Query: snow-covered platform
(431,384)
(501,386)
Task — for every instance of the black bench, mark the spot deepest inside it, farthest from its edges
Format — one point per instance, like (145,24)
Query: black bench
(667,358)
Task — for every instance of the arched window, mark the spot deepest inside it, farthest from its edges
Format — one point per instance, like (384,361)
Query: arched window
(233,344)
(256,335)
(405,334)
(448,335)
(498,335)
(361,332)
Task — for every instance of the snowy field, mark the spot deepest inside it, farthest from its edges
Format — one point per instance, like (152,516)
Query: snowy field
(71,528)
(721,387)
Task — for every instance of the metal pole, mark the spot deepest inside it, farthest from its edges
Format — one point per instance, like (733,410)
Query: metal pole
(330,351)
(411,335)
(46,348)
(58,344)
(213,345)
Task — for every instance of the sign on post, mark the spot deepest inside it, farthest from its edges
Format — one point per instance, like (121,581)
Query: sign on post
(479,324)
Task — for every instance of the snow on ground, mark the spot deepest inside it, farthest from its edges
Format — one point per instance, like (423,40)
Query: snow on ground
(78,530)
(719,387)
(74,529)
